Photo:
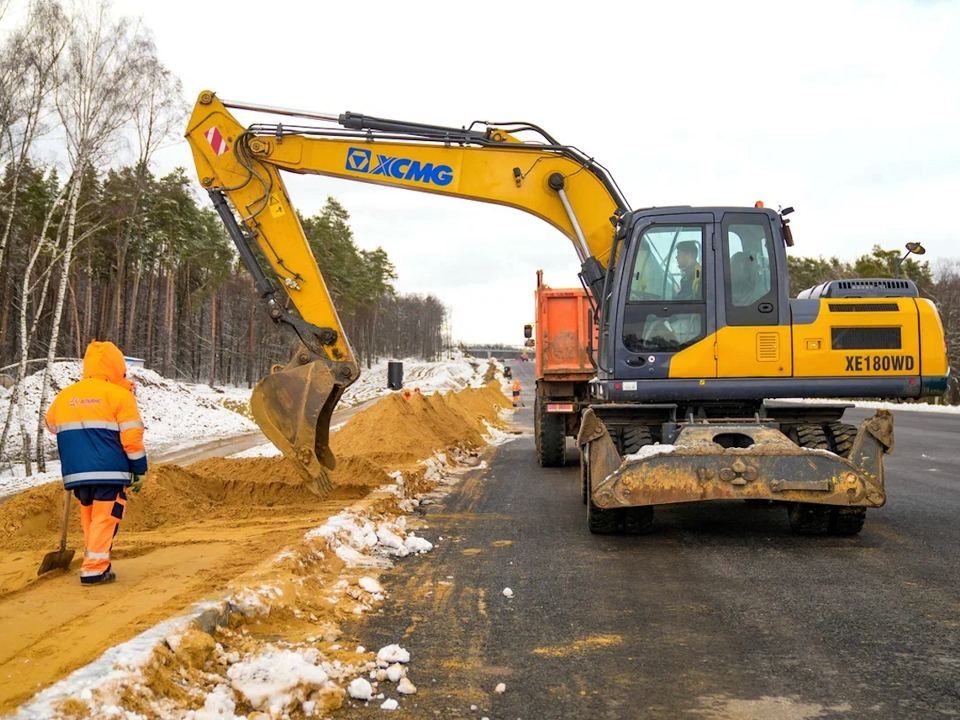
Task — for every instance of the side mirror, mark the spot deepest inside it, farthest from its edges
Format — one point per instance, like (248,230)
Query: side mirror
(528,331)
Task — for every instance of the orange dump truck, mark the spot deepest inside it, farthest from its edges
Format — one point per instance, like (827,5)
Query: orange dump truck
(564,334)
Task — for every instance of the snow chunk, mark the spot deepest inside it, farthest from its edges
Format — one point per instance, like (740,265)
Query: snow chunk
(370,584)
(648,451)
(417,545)
(360,689)
(218,705)
(393,654)
(507,593)
(405,687)
(394,672)
(389,704)
(276,679)
(500,689)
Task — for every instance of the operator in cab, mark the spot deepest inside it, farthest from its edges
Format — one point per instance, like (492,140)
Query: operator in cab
(688,259)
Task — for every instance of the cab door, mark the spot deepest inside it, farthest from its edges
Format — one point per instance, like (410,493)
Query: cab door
(666,296)
(753,323)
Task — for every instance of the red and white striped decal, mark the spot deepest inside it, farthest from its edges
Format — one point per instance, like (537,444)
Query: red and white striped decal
(216,140)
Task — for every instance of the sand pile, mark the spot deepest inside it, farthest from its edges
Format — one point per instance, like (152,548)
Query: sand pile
(405,428)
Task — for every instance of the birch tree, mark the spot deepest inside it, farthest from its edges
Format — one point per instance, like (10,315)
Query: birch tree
(99,85)
(27,81)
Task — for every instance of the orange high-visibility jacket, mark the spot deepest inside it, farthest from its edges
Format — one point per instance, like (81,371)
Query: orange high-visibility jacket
(97,424)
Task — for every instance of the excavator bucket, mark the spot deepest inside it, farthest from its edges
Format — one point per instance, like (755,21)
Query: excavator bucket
(293,406)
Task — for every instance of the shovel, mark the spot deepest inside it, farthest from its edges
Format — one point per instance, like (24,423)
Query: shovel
(59,559)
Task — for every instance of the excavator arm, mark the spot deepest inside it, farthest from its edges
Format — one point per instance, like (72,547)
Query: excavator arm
(240,168)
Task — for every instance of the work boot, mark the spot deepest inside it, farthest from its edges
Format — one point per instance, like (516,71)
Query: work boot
(108,576)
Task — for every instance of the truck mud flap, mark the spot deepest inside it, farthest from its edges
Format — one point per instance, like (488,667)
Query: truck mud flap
(723,461)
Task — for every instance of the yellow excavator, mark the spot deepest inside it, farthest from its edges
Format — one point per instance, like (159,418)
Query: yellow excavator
(697,335)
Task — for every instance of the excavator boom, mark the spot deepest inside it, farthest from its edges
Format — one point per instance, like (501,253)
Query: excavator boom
(240,168)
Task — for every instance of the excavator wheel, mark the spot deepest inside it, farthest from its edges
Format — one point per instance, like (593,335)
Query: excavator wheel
(847,521)
(842,436)
(810,518)
(549,435)
(844,521)
(584,472)
(635,520)
(635,437)
(601,522)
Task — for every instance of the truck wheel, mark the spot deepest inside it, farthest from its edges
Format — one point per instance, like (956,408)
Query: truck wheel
(551,440)
(810,518)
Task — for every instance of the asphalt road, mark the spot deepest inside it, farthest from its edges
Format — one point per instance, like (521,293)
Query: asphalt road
(720,613)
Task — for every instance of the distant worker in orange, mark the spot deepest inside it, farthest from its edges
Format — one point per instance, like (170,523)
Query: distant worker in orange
(515,387)
(100,440)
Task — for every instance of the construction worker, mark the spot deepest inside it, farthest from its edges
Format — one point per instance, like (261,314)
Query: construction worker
(688,259)
(100,440)
(515,387)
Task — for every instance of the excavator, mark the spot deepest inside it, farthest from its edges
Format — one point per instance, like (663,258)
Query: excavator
(697,338)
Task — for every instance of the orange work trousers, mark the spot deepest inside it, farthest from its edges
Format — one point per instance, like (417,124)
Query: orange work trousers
(101,510)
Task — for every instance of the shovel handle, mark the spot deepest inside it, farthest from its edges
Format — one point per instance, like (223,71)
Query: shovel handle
(66,520)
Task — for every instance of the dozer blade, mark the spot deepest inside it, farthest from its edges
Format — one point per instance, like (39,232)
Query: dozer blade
(737,461)
(293,407)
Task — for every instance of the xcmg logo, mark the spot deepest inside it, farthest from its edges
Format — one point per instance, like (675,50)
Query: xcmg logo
(399,168)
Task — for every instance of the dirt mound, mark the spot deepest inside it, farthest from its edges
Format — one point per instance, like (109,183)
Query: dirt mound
(406,427)
(393,434)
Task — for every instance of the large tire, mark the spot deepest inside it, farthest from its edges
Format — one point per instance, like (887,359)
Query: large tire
(551,438)
(584,471)
(810,518)
(601,522)
(845,521)
(635,437)
(637,520)
(842,436)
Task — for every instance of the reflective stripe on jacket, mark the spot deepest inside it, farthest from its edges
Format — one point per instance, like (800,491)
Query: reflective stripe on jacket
(98,427)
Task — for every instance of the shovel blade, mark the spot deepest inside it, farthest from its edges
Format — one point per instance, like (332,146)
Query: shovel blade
(56,560)
(294,407)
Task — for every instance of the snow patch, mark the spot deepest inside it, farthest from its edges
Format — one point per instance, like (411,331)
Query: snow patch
(172,412)
(649,451)
(260,451)
(390,654)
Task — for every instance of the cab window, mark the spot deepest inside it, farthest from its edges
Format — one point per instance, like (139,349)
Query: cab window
(665,308)
(749,270)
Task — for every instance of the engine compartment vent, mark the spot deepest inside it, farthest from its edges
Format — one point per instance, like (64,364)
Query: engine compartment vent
(862,288)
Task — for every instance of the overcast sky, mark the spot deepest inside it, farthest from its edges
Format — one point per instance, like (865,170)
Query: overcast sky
(849,111)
